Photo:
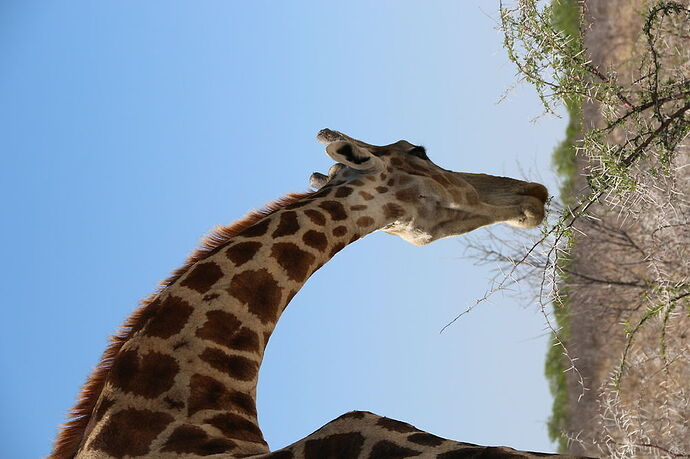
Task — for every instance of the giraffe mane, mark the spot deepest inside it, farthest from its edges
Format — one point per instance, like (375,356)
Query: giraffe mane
(72,431)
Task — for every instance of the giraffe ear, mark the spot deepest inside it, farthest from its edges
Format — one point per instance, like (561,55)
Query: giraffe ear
(352,156)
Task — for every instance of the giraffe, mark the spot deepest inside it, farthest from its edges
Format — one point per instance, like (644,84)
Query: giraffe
(179,378)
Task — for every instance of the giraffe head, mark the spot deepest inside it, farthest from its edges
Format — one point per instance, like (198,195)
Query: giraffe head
(422,201)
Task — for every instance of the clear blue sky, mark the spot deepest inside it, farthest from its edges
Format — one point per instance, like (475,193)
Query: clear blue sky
(129,129)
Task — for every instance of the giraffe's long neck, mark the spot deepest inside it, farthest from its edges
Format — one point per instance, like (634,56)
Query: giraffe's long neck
(185,382)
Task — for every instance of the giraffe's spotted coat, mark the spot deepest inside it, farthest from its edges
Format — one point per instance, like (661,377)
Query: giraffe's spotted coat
(236,427)
(366,196)
(225,329)
(207,393)
(242,252)
(346,445)
(171,316)
(343,192)
(236,366)
(365,221)
(259,291)
(335,210)
(202,277)
(388,450)
(149,375)
(257,230)
(315,217)
(295,261)
(316,240)
(340,231)
(393,210)
(129,432)
(288,224)
(425,439)
(190,439)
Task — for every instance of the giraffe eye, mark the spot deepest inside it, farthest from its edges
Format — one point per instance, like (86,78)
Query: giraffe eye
(419,152)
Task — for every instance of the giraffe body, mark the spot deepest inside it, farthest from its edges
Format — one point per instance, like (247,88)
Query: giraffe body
(180,380)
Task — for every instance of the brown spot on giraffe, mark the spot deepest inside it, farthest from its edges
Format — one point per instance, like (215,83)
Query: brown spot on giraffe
(324,192)
(295,261)
(337,446)
(316,217)
(339,231)
(396,426)
(259,291)
(242,252)
(483,452)
(358,207)
(190,439)
(425,439)
(335,210)
(298,204)
(225,329)
(283,454)
(288,224)
(365,221)
(385,449)
(366,196)
(343,192)
(419,167)
(236,427)
(392,210)
(408,194)
(382,189)
(391,182)
(441,179)
(315,240)
(130,432)
(258,229)
(149,375)
(337,248)
(172,315)
(356,182)
(352,415)
(235,366)
(202,277)
(210,394)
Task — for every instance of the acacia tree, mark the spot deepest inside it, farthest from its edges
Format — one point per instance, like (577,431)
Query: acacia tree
(625,197)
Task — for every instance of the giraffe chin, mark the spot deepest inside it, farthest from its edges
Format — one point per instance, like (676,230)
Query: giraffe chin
(532,214)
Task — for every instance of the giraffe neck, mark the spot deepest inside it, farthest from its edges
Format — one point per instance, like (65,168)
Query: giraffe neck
(189,372)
